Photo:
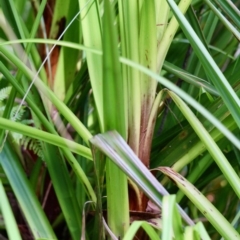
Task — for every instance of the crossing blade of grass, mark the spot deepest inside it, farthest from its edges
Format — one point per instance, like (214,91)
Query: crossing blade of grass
(136,225)
(12,96)
(113,145)
(199,227)
(46,137)
(231,10)
(191,101)
(190,78)
(27,200)
(210,144)
(163,81)
(206,208)
(227,24)
(63,186)
(216,76)
(67,152)
(114,117)
(128,62)
(9,220)
(75,122)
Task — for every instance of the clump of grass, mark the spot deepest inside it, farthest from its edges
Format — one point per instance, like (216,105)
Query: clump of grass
(122,95)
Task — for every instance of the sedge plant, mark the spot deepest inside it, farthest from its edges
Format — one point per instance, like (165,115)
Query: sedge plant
(102,102)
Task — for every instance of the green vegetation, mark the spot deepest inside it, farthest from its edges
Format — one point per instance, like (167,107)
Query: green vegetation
(119,119)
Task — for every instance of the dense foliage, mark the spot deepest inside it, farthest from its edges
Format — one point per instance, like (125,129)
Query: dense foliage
(119,119)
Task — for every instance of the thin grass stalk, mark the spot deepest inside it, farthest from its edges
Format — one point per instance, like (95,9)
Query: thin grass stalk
(115,113)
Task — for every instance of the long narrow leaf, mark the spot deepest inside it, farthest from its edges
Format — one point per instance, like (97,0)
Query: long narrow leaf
(46,137)
(114,117)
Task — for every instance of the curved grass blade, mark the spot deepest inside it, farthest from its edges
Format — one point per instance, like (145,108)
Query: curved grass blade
(191,101)
(199,227)
(199,200)
(136,225)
